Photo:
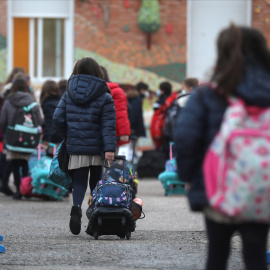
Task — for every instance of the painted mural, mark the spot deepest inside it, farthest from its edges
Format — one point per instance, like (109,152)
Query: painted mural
(3,58)
(135,40)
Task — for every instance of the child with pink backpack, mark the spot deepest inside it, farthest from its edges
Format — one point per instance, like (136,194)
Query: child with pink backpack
(222,142)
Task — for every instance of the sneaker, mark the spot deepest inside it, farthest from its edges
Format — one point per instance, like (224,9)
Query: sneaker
(17,196)
(6,190)
(75,219)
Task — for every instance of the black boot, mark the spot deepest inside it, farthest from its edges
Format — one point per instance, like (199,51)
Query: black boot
(75,219)
(17,196)
(6,190)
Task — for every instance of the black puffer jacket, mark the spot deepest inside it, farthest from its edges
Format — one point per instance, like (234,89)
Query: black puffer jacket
(86,115)
(200,120)
(51,134)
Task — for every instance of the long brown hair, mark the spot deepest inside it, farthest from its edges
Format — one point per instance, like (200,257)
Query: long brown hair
(236,45)
(49,88)
(88,66)
(19,85)
(11,75)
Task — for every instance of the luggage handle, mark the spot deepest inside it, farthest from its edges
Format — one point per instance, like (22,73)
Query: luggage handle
(171,152)
(39,148)
(117,157)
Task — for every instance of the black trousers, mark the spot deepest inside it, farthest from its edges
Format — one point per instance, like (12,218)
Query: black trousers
(19,166)
(254,240)
(80,181)
(5,170)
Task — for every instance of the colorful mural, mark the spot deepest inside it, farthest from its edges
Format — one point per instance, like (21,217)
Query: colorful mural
(3,58)
(120,41)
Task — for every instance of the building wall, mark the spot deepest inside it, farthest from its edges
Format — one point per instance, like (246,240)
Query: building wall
(110,29)
(261,17)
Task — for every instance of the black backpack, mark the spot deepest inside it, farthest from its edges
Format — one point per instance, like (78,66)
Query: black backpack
(170,119)
(24,133)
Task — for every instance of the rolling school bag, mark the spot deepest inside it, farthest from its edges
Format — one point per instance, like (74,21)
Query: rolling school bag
(24,133)
(58,172)
(170,179)
(237,164)
(108,212)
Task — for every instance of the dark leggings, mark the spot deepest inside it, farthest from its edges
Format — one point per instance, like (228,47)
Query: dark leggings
(5,170)
(18,166)
(254,239)
(80,179)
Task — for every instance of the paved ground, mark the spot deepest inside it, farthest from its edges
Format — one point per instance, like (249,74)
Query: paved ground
(36,236)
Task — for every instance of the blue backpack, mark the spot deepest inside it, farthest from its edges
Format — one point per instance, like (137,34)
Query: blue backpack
(41,184)
(111,193)
(58,176)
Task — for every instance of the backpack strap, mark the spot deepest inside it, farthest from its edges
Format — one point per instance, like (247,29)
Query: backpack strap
(30,107)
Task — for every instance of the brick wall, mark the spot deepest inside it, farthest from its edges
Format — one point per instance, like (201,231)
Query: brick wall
(172,11)
(261,17)
(3,17)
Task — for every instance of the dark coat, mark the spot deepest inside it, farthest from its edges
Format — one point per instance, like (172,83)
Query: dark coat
(136,113)
(199,122)
(19,99)
(51,134)
(86,115)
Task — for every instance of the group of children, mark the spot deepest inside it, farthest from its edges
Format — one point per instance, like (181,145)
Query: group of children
(88,116)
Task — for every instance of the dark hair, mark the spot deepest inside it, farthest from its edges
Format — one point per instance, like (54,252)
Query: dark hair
(48,88)
(141,85)
(62,84)
(191,82)
(88,66)
(236,45)
(19,85)
(21,76)
(105,73)
(14,71)
(166,87)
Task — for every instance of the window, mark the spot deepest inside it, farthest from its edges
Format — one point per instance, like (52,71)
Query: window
(48,54)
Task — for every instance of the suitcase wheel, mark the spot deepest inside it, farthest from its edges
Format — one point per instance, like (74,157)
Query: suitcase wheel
(128,234)
(95,235)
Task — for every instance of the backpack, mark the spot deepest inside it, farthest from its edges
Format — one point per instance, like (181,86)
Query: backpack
(111,193)
(24,133)
(237,164)
(170,119)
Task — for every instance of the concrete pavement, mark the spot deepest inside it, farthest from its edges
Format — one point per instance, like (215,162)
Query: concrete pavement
(37,236)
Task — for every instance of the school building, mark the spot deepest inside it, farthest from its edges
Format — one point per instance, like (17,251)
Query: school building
(137,40)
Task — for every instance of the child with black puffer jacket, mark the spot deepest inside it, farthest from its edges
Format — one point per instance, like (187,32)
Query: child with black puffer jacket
(49,99)
(86,117)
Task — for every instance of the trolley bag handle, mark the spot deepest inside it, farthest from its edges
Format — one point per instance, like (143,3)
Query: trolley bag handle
(171,152)
(39,149)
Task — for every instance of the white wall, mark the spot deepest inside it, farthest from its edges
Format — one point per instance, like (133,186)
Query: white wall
(205,19)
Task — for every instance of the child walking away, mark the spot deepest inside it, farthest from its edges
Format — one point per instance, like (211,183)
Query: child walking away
(242,71)
(86,117)
(49,99)
(21,123)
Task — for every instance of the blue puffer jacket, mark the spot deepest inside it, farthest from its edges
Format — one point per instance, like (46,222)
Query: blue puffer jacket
(86,115)
(199,122)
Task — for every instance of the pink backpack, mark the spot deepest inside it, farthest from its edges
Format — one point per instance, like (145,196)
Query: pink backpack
(237,164)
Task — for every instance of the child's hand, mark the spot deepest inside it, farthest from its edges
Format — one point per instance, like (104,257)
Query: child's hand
(109,156)
(124,138)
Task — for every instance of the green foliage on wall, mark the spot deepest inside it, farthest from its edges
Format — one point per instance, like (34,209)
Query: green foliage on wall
(3,42)
(149,16)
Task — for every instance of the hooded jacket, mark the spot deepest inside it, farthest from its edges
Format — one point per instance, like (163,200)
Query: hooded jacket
(135,101)
(17,100)
(200,120)
(86,116)
(50,133)
(120,102)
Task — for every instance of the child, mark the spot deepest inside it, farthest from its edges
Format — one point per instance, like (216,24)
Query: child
(242,70)
(20,96)
(86,117)
(49,99)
